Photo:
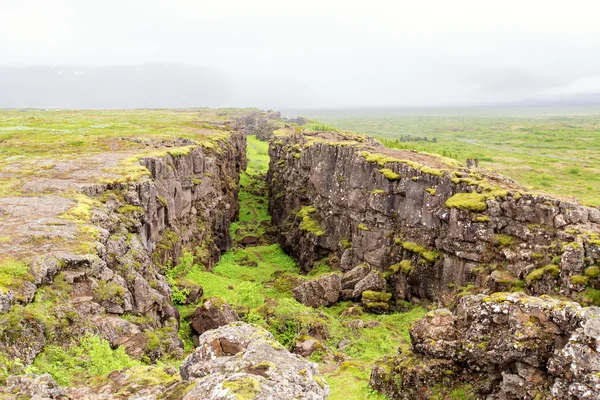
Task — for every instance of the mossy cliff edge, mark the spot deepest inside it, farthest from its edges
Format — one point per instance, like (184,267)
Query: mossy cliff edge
(413,226)
(89,251)
(346,197)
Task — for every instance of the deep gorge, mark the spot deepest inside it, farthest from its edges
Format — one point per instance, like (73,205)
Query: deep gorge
(333,245)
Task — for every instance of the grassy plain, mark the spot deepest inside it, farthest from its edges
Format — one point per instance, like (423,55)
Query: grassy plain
(554,150)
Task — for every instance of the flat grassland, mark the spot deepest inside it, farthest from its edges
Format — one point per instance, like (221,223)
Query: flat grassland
(554,150)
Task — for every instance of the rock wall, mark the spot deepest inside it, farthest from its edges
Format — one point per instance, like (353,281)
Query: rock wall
(118,289)
(504,346)
(346,197)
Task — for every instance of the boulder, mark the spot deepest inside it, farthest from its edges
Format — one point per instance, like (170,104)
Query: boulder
(249,240)
(34,387)
(244,361)
(322,291)
(213,313)
(307,345)
(373,282)
(503,346)
(355,275)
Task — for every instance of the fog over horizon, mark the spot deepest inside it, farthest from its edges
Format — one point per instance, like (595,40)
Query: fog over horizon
(310,54)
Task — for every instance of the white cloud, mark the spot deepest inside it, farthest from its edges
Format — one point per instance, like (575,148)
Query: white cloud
(345,53)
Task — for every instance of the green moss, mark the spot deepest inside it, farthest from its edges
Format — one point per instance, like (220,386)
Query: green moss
(109,291)
(589,296)
(196,181)
(592,271)
(539,273)
(346,243)
(579,280)
(556,260)
(389,174)
(481,218)
(162,201)
(305,211)
(431,191)
(363,227)
(129,209)
(13,273)
(376,296)
(91,357)
(468,201)
(377,191)
(429,256)
(312,226)
(504,240)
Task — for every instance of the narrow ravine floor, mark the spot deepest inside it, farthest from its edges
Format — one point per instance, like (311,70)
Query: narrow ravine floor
(257,279)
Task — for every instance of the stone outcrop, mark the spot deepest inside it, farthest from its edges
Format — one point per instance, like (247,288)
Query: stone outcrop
(213,313)
(244,361)
(322,291)
(346,197)
(503,346)
(113,283)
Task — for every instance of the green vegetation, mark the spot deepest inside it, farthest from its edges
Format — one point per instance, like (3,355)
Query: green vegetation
(539,273)
(13,273)
(429,256)
(90,358)
(468,201)
(389,174)
(504,240)
(243,388)
(550,149)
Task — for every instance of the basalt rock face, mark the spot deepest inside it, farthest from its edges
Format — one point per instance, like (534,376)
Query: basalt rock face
(118,290)
(346,197)
(505,346)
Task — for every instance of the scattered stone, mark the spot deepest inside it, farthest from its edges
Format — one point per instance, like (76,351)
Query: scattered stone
(249,240)
(355,324)
(307,345)
(343,344)
(372,324)
(213,313)
(322,291)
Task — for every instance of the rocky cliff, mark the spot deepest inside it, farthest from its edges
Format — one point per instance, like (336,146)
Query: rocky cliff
(100,266)
(430,227)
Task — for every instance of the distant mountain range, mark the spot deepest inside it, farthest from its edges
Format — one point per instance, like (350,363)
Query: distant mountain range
(145,86)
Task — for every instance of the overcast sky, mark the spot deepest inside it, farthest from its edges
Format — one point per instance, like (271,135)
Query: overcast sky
(327,53)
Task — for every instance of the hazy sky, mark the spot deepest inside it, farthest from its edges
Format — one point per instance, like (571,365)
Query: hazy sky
(327,53)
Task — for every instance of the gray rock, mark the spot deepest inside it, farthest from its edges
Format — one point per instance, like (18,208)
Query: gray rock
(213,313)
(322,291)
(549,343)
(240,358)
(373,281)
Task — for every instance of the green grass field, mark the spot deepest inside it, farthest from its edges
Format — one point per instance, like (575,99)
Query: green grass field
(551,150)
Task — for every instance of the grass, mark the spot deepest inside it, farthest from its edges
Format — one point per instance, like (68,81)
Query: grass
(12,273)
(92,357)
(556,150)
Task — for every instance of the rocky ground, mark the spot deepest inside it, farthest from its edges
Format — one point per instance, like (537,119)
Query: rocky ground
(206,263)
